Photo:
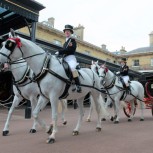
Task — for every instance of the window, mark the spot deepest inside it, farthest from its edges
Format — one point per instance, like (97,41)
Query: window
(136,62)
(87,52)
(57,42)
(107,59)
(152,62)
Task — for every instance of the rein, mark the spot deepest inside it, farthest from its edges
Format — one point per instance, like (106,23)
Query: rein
(16,62)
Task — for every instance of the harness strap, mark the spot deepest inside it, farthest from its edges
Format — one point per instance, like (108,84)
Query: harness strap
(111,85)
(38,83)
(19,91)
(43,70)
(24,78)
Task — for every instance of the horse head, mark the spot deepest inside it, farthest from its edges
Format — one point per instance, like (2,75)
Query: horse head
(11,48)
(103,70)
(95,67)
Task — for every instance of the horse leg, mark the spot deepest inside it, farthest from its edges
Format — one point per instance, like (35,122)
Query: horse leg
(64,107)
(90,111)
(142,108)
(33,105)
(132,111)
(116,110)
(15,103)
(108,102)
(77,128)
(54,105)
(98,107)
(42,101)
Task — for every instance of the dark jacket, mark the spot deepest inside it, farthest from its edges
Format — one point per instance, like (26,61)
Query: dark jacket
(69,47)
(124,70)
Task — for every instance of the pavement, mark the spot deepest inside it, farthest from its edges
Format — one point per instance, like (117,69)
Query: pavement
(125,137)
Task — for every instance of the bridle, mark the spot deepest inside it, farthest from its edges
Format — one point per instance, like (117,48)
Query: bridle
(11,44)
(105,73)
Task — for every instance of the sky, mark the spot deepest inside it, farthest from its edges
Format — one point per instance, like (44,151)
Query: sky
(114,23)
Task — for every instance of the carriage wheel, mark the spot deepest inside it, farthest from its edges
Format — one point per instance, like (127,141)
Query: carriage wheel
(127,110)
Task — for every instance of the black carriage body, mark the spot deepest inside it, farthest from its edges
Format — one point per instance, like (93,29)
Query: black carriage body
(5,86)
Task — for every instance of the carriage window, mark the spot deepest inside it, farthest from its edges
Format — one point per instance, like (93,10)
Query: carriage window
(136,63)
(152,62)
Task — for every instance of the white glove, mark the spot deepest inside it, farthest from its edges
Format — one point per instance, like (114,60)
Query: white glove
(117,73)
(6,66)
(57,53)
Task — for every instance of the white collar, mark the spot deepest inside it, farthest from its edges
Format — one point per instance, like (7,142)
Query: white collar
(67,38)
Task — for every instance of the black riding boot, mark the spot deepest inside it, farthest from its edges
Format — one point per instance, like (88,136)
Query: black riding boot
(77,82)
(128,90)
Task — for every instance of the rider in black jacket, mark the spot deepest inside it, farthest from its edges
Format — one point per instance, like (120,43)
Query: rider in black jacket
(124,72)
(68,50)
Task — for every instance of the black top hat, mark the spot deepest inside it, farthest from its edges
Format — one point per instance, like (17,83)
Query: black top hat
(123,59)
(68,27)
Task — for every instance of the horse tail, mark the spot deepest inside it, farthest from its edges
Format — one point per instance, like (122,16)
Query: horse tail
(140,102)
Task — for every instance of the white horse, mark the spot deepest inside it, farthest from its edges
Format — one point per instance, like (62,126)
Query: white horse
(53,83)
(24,88)
(115,90)
(94,68)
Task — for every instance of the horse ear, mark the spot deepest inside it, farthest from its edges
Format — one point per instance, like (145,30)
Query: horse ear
(92,62)
(12,33)
(97,62)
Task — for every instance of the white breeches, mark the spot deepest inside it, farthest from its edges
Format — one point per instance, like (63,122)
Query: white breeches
(126,79)
(71,60)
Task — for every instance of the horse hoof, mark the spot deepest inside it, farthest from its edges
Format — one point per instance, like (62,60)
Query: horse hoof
(50,130)
(32,131)
(116,122)
(65,122)
(5,133)
(50,140)
(141,119)
(88,120)
(129,120)
(75,133)
(112,119)
(98,129)
(103,119)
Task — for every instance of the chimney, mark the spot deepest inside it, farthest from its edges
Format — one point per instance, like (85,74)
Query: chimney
(103,46)
(51,22)
(79,32)
(122,50)
(151,39)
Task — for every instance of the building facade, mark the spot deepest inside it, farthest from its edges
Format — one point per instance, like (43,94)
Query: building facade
(140,59)
(45,30)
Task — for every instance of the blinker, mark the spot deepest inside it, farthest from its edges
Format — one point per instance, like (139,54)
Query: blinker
(10,45)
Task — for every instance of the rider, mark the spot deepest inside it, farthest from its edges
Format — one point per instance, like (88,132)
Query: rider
(68,51)
(124,73)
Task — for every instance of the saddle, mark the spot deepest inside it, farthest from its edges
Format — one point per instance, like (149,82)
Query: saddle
(70,76)
(68,70)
